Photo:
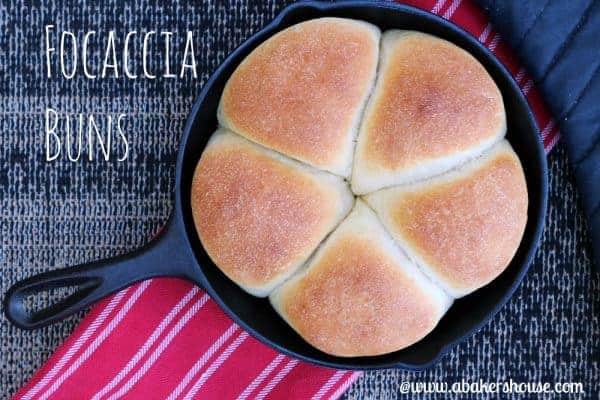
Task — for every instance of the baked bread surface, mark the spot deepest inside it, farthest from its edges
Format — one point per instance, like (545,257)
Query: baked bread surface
(259,215)
(464,227)
(440,199)
(302,92)
(359,295)
(434,106)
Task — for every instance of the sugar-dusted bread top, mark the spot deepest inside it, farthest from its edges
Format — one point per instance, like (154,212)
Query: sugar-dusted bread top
(359,295)
(464,227)
(302,91)
(259,215)
(434,106)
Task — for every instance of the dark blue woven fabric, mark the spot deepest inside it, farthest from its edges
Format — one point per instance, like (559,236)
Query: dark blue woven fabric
(64,213)
(558,43)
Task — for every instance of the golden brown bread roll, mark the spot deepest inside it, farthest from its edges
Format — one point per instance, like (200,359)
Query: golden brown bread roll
(464,227)
(359,295)
(433,107)
(302,91)
(259,215)
(449,195)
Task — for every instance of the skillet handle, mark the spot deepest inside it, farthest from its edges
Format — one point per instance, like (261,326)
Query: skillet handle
(165,255)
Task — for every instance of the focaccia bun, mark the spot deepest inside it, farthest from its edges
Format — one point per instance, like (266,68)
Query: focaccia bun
(359,296)
(302,91)
(464,227)
(259,215)
(434,106)
(404,125)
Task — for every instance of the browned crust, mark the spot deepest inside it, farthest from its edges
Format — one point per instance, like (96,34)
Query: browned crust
(359,295)
(467,230)
(356,302)
(301,91)
(432,100)
(258,217)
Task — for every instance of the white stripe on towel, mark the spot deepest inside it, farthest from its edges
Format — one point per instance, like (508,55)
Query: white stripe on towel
(216,364)
(278,378)
(450,11)
(90,330)
(202,360)
(148,344)
(342,389)
(161,347)
(261,377)
(438,6)
(98,340)
(330,382)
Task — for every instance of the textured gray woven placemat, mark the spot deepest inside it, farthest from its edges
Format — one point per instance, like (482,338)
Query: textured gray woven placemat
(63,213)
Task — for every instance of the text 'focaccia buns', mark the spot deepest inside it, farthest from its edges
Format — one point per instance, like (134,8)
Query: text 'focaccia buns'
(434,106)
(302,91)
(259,215)
(359,295)
(462,227)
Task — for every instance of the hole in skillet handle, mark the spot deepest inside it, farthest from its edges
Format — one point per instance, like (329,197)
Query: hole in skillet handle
(42,299)
(16,300)
(166,255)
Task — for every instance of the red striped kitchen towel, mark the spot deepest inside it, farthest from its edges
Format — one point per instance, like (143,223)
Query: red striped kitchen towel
(166,339)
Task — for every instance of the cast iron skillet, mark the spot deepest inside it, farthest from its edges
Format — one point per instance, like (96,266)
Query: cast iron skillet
(177,251)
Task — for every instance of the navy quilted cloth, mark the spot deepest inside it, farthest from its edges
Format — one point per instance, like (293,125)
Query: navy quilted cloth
(559,43)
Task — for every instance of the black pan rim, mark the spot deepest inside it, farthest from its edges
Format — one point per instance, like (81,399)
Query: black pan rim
(273,27)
